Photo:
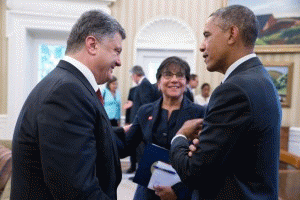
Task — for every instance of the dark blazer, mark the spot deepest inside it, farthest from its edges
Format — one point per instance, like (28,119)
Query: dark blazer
(145,121)
(128,111)
(144,93)
(189,94)
(238,153)
(63,144)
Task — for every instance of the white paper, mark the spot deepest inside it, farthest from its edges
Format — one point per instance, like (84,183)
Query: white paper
(162,177)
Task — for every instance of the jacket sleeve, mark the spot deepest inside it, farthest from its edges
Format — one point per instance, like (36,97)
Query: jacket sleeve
(227,117)
(130,140)
(182,191)
(67,144)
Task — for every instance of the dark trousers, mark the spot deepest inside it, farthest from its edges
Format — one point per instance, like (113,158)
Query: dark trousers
(114,122)
(136,156)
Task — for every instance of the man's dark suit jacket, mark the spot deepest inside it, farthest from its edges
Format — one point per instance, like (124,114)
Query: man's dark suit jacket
(63,144)
(238,153)
(128,111)
(189,94)
(144,123)
(144,93)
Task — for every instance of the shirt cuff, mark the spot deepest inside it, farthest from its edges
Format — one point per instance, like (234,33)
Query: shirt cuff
(178,135)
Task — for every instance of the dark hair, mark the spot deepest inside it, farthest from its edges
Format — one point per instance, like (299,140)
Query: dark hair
(203,85)
(193,76)
(239,16)
(113,79)
(138,70)
(176,61)
(93,23)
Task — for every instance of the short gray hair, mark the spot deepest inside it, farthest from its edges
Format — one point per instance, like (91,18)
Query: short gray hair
(95,23)
(138,70)
(243,18)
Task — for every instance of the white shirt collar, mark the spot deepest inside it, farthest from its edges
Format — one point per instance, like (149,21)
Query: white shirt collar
(236,64)
(140,80)
(84,70)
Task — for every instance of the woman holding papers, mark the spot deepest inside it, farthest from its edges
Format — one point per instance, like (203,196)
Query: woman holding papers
(159,121)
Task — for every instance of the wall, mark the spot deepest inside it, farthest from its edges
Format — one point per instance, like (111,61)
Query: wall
(3,60)
(133,15)
(291,115)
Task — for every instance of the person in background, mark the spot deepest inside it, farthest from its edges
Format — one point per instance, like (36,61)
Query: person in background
(112,101)
(63,145)
(144,93)
(127,106)
(159,121)
(236,155)
(203,98)
(192,85)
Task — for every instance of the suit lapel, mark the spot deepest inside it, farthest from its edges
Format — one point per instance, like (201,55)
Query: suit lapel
(69,67)
(185,104)
(244,66)
(154,115)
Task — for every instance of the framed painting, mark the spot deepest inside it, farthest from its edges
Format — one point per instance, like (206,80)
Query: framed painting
(282,77)
(279,24)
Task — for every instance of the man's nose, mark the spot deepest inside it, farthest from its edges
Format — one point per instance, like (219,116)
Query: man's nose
(118,62)
(202,47)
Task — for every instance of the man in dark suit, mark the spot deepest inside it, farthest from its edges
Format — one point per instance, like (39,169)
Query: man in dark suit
(190,88)
(128,105)
(236,155)
(144,93)
(63,144)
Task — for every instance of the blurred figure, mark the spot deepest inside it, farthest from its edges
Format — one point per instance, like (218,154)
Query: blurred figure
(63,145)
(191,87)
(203,98)
(159,121)
(127,106)
(112,101)
(144,93)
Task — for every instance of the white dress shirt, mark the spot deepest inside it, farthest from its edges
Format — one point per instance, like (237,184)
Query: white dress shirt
(84,70)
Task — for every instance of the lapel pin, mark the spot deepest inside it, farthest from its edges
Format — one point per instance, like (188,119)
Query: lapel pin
(150,118)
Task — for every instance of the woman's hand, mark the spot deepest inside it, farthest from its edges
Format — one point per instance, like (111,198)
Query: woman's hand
(165,192)
(128,105)
(126,128)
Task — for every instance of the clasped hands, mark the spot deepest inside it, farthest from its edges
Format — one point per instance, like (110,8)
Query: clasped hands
(191,129)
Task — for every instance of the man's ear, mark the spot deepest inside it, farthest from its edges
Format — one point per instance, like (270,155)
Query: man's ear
(234,33)
(91,45)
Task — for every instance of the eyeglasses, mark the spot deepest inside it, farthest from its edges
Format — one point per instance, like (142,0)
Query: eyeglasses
(169,75)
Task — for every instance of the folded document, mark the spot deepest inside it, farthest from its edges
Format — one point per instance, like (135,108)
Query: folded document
(163,174)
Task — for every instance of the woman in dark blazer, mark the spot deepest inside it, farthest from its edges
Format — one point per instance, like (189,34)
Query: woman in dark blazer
(159,121)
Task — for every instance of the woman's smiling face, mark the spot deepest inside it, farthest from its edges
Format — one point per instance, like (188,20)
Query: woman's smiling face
(172,82)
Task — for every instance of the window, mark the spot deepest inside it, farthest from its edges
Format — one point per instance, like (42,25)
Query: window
(48,58)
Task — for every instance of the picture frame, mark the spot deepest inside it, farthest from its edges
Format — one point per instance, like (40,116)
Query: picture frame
(282,77)
(280,24)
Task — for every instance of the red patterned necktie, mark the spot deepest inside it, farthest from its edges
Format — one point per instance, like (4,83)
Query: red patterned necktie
(99,95)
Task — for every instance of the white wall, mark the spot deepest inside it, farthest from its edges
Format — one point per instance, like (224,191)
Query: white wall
(28,21)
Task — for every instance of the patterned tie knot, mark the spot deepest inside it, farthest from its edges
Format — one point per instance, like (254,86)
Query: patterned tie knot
(99,95)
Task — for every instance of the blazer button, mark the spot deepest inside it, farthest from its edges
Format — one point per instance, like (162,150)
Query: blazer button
(165,134)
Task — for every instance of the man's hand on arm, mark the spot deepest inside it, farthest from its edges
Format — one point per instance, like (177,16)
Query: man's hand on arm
(126,128)
(191,128)
(193,147)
